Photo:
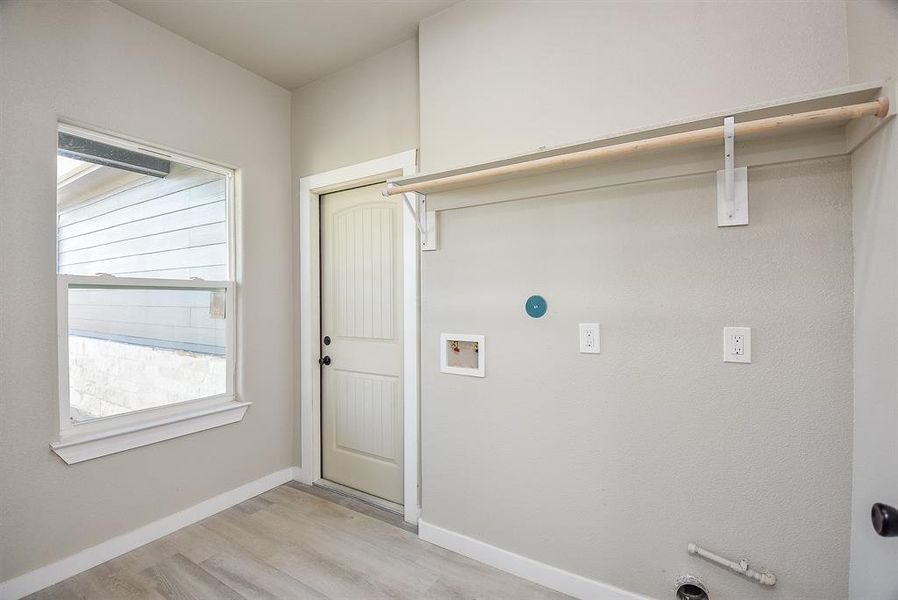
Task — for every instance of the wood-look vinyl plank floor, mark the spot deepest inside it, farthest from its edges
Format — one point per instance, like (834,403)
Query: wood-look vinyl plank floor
(178,578)
(357,505)
(294,543)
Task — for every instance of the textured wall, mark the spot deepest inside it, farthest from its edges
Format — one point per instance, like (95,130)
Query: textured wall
(873,44)
(365,111)
(608,465)
(505,77)
(96,63)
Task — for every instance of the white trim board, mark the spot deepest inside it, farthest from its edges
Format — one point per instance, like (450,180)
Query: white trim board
(525,568)
(189,419)
(307,229)
(42,577)
(801,144)
(844,95)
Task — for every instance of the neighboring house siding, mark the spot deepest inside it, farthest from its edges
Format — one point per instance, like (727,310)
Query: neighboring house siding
(174,228)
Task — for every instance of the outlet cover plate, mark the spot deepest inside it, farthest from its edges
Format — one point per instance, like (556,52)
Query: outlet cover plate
(737,344)
(590,340)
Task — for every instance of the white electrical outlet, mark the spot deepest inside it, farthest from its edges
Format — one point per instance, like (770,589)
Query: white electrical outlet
(737,344)
(589,338)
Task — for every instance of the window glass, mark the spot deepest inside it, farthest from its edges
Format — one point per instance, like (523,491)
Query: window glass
(133,348)
(128,214)
(128,224)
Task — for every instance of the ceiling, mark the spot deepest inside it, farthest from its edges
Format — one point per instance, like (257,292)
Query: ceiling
(290,42)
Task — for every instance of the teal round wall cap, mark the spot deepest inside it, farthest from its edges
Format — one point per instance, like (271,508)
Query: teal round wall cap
(536,306)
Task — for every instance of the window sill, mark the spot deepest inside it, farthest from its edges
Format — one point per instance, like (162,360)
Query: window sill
(78,446)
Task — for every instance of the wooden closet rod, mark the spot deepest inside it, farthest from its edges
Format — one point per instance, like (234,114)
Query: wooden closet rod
(878,108)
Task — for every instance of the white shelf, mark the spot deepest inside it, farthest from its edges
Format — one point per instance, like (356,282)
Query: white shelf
(812,142)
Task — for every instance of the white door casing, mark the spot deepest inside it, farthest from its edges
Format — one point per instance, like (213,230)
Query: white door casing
(306,226)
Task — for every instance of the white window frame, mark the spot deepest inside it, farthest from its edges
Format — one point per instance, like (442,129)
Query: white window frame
(107,435)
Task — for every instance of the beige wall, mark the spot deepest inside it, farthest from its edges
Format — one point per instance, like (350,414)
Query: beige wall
(873,44)
(505,77)
(607,466)
(98,64)
(365,111)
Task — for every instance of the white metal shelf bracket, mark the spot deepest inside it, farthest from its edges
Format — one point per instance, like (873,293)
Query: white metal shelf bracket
(425,221)
(732,183)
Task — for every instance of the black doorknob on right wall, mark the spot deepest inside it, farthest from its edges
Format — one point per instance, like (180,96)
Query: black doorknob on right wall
(885,520)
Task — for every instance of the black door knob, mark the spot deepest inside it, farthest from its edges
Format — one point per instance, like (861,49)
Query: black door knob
(325,360)
(885,520)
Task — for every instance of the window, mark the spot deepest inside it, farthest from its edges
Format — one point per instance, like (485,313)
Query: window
(146,293)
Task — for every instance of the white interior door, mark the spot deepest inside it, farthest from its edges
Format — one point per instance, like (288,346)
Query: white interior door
(361,334)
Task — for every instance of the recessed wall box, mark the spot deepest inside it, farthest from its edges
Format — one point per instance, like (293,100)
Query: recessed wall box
(463,354)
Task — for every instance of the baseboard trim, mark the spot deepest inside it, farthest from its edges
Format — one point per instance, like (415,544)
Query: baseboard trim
(303,476)
(525,568)
(42,577)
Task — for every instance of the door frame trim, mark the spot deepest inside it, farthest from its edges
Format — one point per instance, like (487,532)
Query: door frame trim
(307,225)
